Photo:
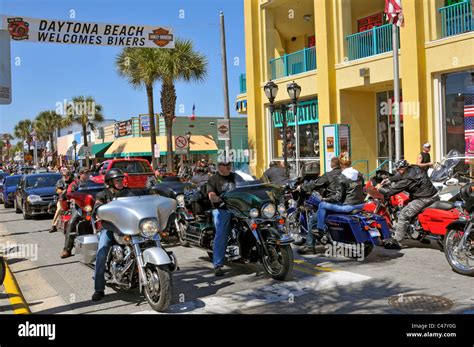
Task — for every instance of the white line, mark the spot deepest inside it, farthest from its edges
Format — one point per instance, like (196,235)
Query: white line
(280,291)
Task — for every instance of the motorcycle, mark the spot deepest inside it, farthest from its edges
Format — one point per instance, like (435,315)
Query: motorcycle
(459,240)
(258,226)
(137,258)
(350,230)
(429,224)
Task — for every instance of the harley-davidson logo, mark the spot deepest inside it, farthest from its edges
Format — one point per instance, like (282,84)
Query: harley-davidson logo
(223,129)
(18,28)
(161,37)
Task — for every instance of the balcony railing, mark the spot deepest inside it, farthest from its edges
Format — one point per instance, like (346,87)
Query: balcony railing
(456,19)
(293,63)
(243,83)
(374,41)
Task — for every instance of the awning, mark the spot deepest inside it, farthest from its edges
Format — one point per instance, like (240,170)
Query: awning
(99,149)
(140,146)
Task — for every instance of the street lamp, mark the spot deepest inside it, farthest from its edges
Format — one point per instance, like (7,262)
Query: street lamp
(74,144)
(271,91)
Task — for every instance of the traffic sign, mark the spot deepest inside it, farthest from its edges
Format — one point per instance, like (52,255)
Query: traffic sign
(181,142)
(157,150)
(87,151)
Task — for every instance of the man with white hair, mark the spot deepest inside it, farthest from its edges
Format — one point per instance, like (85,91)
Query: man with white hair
(424,159)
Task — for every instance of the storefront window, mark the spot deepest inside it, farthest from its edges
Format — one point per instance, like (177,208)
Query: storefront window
(459,112)
(302,143)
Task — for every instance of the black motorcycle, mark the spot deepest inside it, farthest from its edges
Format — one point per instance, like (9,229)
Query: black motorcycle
(258,226)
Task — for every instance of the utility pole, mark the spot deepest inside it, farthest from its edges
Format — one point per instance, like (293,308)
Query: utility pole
(228,143)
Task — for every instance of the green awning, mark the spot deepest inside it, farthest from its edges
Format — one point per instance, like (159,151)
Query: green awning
(99,149)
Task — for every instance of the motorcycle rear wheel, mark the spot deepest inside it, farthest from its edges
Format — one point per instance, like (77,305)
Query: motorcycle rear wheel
(451,242)
(158,289)
(280,262)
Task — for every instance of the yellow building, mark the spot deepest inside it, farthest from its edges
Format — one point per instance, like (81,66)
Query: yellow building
(340,53)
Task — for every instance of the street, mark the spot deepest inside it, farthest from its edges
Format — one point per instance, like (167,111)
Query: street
(319,284)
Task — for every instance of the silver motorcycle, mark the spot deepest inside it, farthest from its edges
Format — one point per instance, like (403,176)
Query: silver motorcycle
(137,258)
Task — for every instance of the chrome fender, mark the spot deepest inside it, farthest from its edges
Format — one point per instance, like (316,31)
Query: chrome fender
(156,256)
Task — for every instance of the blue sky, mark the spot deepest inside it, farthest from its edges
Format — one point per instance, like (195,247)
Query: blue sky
(49,73)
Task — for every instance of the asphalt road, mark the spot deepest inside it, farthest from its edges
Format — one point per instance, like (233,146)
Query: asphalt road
(319,284)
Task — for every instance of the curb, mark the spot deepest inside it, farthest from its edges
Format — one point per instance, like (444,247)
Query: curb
(17,300)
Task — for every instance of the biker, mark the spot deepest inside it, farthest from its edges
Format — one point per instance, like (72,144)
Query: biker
(222,181)
(276,173)
(114,187)
(349,191)
(413,180)
(70,231)
(201,173)
(154,180)
(329,182)
(61,186)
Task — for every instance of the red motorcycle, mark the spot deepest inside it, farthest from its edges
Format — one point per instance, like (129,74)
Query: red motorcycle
(431,223)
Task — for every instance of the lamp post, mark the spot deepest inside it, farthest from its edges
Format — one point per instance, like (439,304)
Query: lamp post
(188,137)
(74,144)
(271,91)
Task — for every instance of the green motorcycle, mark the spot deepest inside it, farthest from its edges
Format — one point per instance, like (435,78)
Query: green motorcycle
(258,225)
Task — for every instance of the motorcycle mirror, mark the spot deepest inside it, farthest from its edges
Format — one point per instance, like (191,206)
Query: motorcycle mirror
(452,182)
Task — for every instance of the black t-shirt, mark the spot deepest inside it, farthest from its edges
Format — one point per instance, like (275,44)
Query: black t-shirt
(425,158)
(220,184)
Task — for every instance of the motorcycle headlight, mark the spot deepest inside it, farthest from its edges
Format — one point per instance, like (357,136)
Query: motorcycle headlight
(88,208)
(34,198)
(180,200)
(281,209)
(149,227)
(254,213)
(268,211)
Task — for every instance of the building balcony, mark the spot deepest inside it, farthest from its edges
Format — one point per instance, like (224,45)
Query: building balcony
(456,19)
(293,63)
(377,40)
(243,83)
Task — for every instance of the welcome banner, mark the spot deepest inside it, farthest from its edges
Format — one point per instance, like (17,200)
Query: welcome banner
(83,33)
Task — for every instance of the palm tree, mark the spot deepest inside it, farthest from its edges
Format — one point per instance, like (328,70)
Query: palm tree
(6,138)
(140,66)
(181,63)
(23,130)
(86,112)
(46,124)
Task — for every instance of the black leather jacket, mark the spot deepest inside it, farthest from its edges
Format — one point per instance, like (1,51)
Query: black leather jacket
(329,182)
(414,181)
(352,190)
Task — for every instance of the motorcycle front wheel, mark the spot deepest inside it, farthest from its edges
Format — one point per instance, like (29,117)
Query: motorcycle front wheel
(460,262)
(158,288)
(279,263)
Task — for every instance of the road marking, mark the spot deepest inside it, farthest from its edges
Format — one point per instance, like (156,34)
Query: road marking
(268,294)
(15,295)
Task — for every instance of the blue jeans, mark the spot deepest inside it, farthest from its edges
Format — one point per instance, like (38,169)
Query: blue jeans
(222,220)
(325,206)
(312,222)
(106,241)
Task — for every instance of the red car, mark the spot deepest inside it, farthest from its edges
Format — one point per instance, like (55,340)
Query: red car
(136,171)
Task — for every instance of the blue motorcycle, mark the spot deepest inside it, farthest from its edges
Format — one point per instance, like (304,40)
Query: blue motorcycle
(357,230)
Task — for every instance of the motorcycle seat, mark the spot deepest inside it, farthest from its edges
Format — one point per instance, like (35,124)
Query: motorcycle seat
(441,205)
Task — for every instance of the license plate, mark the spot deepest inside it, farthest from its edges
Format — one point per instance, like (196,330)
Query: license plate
(374,233)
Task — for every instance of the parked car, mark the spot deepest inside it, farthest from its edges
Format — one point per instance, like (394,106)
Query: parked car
(2,176)
(35,193)
(136,171)
(9,186)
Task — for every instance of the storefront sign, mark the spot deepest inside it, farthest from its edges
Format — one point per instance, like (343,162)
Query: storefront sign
(369,22)
(307,112)
(83,33)
(123,128)
(145,124)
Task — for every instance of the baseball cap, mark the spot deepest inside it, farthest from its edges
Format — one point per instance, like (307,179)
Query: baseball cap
(84,170)
(427,145)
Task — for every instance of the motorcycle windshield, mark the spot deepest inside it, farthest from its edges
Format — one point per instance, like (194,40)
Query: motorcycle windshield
(453,163)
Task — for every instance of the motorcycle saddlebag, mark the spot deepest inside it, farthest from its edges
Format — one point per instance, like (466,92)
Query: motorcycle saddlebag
(86,247)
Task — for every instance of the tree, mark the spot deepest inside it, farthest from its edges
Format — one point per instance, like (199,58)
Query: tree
(181,63)
(140,66)
(6,139)
(86,112)
(45,124)
(23,131)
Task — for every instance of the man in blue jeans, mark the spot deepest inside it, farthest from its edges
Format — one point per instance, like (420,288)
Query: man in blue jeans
(222,181)
(350,188)
(114,182)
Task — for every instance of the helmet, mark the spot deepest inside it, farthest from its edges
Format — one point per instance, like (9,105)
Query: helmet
(465,193)
(401,164)
(113,173)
